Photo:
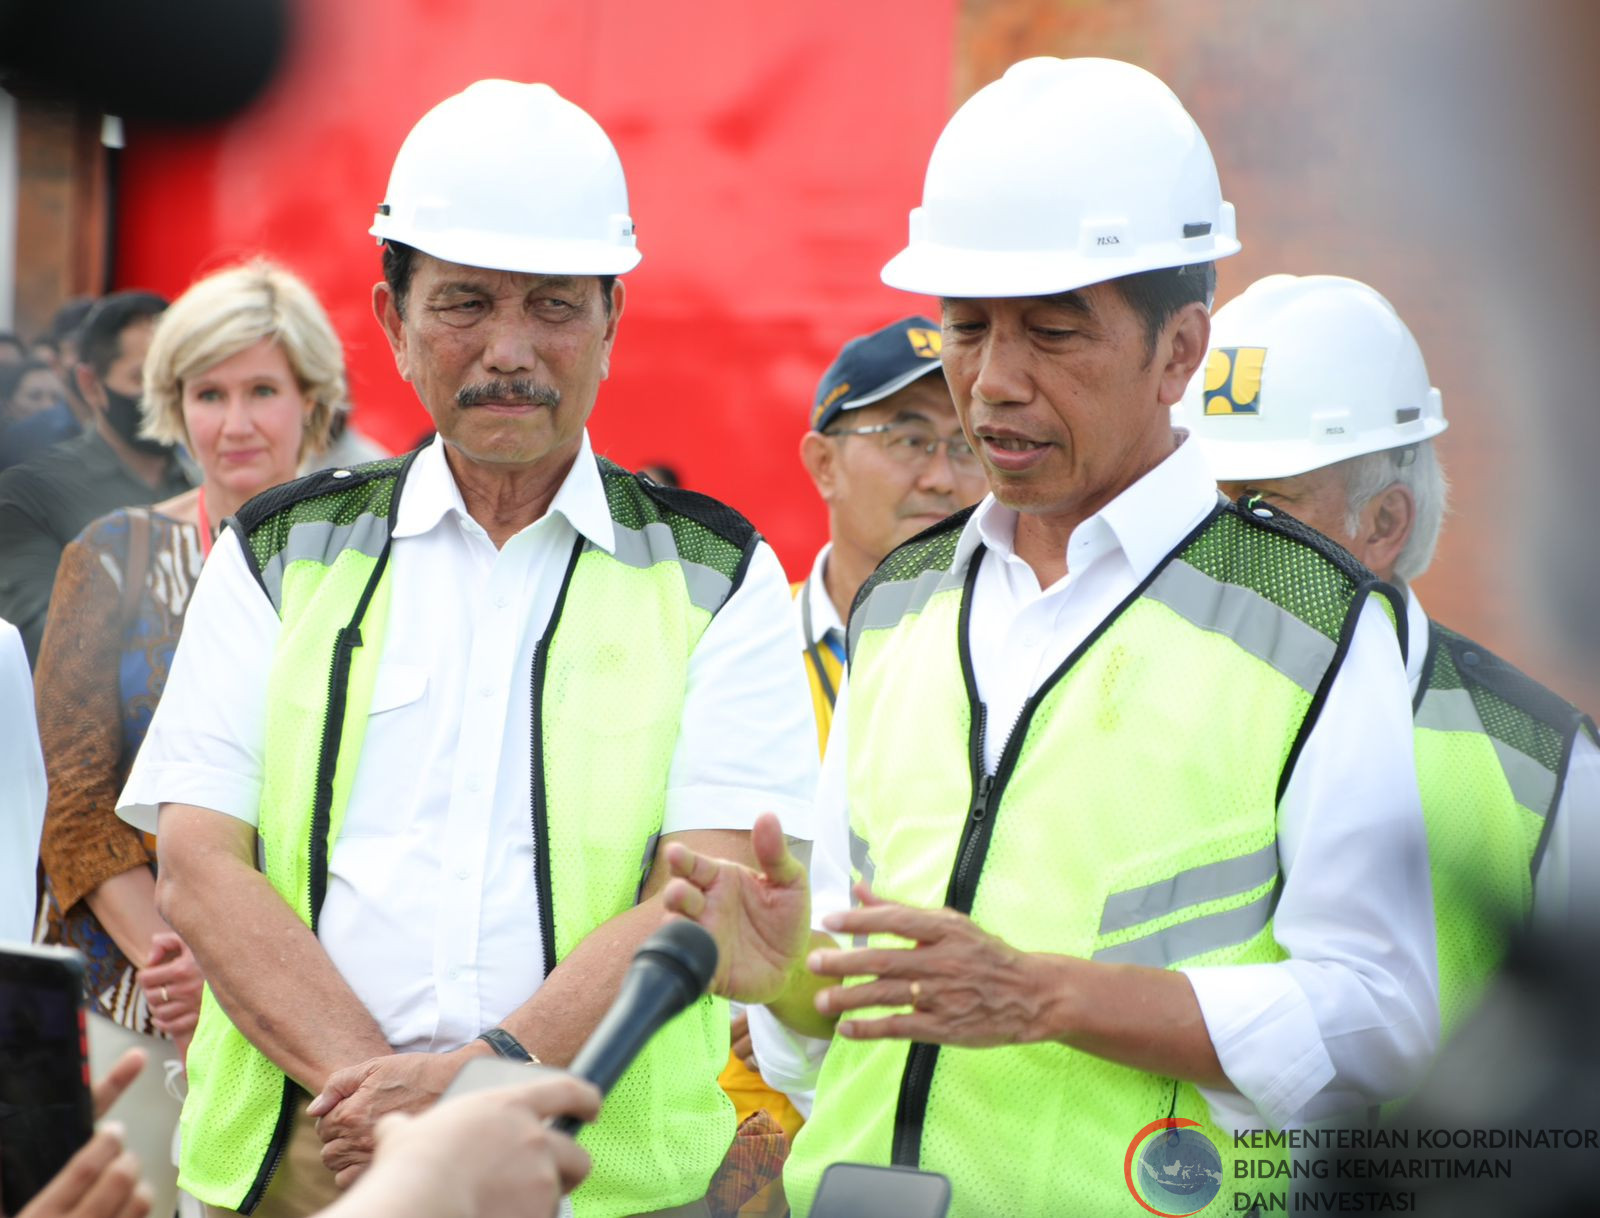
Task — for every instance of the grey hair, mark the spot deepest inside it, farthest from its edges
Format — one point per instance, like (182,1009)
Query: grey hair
(1415,467)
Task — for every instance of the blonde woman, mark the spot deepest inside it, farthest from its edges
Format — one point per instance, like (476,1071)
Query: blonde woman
(247,373)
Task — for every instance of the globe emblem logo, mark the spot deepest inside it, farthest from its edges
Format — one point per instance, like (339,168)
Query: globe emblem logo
(1172,1169)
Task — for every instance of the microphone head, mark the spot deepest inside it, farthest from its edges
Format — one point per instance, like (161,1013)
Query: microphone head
(688,951)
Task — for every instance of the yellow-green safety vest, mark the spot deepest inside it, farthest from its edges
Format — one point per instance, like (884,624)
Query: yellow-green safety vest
(607,682)
(1492,750)
(1132,819)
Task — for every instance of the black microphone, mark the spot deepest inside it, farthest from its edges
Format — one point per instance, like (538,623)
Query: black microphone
(671,969)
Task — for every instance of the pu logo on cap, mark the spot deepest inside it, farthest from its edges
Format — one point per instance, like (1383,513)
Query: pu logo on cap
(1233,380)
(926,343)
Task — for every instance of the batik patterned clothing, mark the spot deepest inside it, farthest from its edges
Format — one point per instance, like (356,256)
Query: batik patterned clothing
(97,682)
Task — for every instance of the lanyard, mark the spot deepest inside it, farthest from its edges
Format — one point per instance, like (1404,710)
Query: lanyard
(812,654)
(205,525)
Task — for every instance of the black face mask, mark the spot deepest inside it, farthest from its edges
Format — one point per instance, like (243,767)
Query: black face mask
(122,412)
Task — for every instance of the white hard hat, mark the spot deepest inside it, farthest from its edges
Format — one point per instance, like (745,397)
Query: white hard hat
(512,177)
(1063,173)
(1304,372)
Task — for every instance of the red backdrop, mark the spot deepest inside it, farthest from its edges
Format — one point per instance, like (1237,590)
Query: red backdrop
(770,167)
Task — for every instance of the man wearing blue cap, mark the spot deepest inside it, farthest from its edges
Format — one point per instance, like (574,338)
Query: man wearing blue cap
(887,455)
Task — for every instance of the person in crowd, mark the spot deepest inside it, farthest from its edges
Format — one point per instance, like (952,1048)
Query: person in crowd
(1091,778)
(12,349)
(61,344)
(22,790)
(48,499)
(887,455)
(468,692)
(33,410)
(1316,401)
(246,372)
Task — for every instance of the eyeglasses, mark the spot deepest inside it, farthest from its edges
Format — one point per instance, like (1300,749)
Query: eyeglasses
(908,444)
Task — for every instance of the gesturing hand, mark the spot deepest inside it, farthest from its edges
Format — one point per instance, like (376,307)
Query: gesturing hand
(761,920)
(964,986)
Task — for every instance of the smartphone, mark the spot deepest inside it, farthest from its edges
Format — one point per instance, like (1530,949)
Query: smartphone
(855,1190)
(46,1108)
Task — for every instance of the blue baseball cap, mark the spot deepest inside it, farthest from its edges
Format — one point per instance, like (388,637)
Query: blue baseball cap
(873,366)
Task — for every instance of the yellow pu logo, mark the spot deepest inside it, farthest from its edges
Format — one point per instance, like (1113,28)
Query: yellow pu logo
(926,343)
(1233,380)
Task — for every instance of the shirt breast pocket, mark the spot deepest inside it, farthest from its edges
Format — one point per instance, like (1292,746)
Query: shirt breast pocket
(397,686)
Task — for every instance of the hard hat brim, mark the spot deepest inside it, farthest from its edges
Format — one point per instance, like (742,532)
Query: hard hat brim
(537,256)
(1247,460)
(945,271)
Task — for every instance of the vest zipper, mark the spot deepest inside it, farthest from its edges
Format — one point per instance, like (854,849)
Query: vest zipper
(916,1082)
(541,811)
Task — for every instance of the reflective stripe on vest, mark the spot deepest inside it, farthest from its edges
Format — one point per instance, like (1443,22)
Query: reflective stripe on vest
(1102,838)
(613,685)
(1489,769)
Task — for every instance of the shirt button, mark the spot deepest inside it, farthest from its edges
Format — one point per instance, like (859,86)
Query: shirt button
(501,602)
(1030,641)
(462,874)
(454,973)
(486,691)
(474,783)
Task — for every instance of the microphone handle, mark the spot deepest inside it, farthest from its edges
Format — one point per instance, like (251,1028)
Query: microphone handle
(651,994)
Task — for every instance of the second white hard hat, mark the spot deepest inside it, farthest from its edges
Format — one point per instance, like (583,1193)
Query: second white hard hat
(1063,173)
(512,177)
(1305,371)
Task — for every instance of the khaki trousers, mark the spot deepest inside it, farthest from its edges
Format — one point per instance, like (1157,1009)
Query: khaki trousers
(301,1186)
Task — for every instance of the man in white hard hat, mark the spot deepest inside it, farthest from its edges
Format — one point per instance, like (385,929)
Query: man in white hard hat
(1316,400)
(1117,880)
(467,691)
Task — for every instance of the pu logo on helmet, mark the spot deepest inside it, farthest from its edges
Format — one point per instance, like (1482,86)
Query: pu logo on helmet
(926,343)
(1233,380)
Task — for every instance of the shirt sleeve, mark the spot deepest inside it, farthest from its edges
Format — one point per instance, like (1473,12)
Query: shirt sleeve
(1351,1018)
(748,742)
(206,742)
(789,1061)
(22,790)
(29,572)
(1567,883)
(80,711)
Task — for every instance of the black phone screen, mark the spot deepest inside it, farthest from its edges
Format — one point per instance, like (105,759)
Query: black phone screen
(46,1112)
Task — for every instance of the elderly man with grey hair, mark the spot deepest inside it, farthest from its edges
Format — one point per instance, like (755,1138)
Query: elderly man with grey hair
(1315,400)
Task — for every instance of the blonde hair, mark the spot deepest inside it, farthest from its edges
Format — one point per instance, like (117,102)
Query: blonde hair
(229,312)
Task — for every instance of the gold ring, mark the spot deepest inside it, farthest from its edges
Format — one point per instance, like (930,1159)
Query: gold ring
(165,997)
(916,994)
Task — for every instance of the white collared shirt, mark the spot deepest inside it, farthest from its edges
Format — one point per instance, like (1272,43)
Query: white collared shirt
(22,789)
(814,593)
(431,913)
(1574,842)
(1352,1017)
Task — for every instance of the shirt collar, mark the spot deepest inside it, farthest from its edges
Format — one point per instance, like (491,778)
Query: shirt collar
(1417,638)
(1145,522)
(824,617)
(431,494)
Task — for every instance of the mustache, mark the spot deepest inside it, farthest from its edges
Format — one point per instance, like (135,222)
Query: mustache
(517,391)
